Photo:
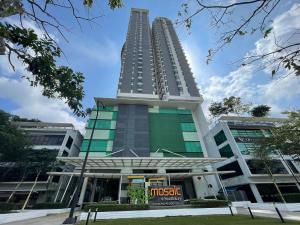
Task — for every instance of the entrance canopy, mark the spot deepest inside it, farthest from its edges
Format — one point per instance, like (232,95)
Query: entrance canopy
(150,175)
(141,162)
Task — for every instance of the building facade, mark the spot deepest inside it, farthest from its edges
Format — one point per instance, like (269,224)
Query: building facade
(152,133)
(137,76)
(57,139)
(236,138)
(155,132)
(173,74)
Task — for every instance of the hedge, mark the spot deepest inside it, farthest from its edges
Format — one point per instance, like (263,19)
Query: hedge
(219,197)
(48,205)
(114,207)
(6,207)
(199,203)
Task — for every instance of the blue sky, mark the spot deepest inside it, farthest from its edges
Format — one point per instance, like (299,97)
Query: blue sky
(95,51)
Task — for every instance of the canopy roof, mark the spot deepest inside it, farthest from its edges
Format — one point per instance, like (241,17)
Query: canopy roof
(148,175)
(141,162)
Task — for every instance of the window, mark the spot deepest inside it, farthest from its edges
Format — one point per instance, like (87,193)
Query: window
(246,133)
(292,166)
(258,167)
(37,139)
(246,148)
(220,137)
(188,127)
(193,146)
(69,142)
(96,145)
(65,153)
(226,151)
(231,166)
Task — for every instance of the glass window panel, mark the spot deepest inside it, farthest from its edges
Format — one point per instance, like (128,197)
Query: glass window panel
(96,145)
(226,151)
(190,136)
(193,146)
(188,127)
(220,138)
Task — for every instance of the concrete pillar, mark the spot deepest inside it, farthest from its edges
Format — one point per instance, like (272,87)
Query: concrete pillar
(126,171)
(93,190)
(162,171)
(256,193)
(83,189)
(198,184)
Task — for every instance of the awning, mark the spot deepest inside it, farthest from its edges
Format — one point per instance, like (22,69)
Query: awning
(149,175)
(141,162)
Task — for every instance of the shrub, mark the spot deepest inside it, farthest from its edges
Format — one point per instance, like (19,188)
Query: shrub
(114,207)
(6,207)
(200,203)
(219,197)
(49,205)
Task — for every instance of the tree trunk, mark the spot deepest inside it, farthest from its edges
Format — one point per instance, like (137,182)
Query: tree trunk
(34,184)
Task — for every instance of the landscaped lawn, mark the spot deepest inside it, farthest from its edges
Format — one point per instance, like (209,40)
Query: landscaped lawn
(192,220)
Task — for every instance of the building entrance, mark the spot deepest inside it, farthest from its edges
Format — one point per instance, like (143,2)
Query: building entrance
(187,187)
(102,189)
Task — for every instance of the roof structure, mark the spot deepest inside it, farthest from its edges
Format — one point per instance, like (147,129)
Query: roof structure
(141,162)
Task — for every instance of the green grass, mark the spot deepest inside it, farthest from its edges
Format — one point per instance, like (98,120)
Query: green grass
(192,220)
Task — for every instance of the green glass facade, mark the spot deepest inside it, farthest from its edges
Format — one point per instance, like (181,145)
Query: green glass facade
(104,133)
(174,130)
(246,139)
(170,129)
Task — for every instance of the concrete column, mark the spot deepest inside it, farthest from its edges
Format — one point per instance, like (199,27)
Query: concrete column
(93,190)
(123,193)
(256,193)
(162,171)
(198,184)
(83,189)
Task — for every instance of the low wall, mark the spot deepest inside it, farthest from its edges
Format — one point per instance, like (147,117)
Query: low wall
(28,214)
(159,213)
(291,207)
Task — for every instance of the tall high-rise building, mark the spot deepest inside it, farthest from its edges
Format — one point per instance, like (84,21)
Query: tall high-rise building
(153,62)
(154,129)
(174,76)
(137,77)
(155,133)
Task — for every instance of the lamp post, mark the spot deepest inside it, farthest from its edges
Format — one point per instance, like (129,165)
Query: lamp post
(71,219)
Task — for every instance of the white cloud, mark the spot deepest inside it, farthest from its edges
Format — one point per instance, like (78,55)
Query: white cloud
(29,100)
(31,104)
(280,94)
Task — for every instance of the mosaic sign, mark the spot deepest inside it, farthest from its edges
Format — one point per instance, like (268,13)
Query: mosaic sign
(165,195)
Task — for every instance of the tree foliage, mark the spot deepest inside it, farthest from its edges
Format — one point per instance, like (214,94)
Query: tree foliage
(230,24)
(40,53)
(235,105)
(260,111)
(286,136)
(13,144)
(229,105)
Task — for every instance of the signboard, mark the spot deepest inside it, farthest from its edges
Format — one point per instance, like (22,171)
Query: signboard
(247,139)
(165,195)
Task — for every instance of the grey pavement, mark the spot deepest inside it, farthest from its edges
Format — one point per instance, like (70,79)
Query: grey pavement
(54,219)
(270,213)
